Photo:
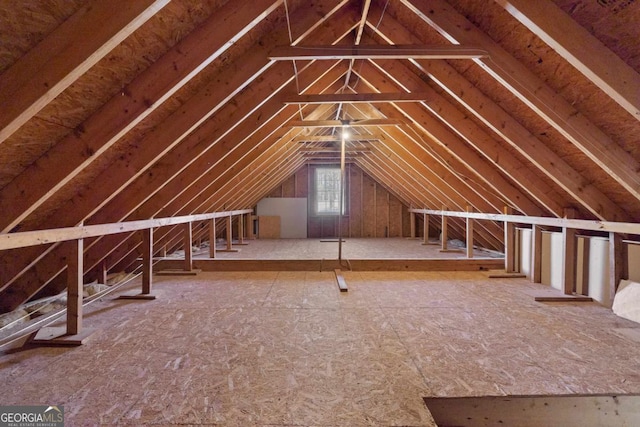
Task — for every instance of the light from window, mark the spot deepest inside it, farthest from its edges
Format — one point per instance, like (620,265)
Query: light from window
(327,191)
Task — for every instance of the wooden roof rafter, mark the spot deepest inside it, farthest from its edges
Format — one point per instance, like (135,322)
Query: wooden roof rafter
(531,90)
(511,131)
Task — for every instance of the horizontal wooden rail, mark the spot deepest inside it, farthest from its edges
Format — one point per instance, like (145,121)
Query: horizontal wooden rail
(42,237)
(578,224)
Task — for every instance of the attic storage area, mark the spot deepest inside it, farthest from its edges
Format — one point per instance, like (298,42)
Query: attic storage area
(491,165)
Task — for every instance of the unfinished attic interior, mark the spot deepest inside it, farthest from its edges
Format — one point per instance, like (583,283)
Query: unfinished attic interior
(336,212)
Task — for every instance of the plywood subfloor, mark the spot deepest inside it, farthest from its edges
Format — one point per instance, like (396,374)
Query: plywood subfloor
(352,248)
(287,348)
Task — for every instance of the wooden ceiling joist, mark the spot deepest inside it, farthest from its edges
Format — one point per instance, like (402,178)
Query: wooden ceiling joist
(332,138)
(354,98)
(288,53)
(345,123)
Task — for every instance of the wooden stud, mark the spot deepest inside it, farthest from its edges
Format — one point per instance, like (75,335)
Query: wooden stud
(536,254)
(75,270)
(445,231)
(187,239)
(586,251)
(212,238)
(509,243)
(229,232)
(617,263)
(147,261)
(412,225)
(104,272)
(469,234)
(569,253)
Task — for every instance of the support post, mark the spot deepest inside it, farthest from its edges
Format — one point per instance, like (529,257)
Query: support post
(229,232)
(445,231)
(412,225)
(469,234)
(147,268)
(249,226)
(147,261)
(509,243)
(73,334)
(212,238)
(75,270)
(568,260)
(426,229)
(617,263)
(104,272)
(536,254)
(187,239)
(586,253)
(569,254)
(241,230)
(229,226)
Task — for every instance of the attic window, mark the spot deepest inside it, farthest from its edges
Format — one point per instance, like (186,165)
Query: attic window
(327,186)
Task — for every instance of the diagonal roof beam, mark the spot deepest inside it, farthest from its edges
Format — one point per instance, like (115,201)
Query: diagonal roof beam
(120,114)
(585,52)
(288,53)
(65,55)
(536,94)
(361,25)
(451,141)
(509,129)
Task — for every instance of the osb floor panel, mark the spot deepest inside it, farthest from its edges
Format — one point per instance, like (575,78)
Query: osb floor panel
(288,349)
(352,248)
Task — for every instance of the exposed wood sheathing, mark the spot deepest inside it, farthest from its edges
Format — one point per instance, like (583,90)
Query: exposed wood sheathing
(216,136)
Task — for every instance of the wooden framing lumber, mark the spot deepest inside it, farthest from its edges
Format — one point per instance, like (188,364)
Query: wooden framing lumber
(569,256)
(582,50)
(501,122)
(578,224)
(139,99)
(56,62)
(453,264)
(288,53)
(469,239)
(171,135)
(536,253)
(459,128)
(75,287)
(618,263)
(531,90)
(342,284)
(339,123)
(42,237)
(187,244)
(354,98)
